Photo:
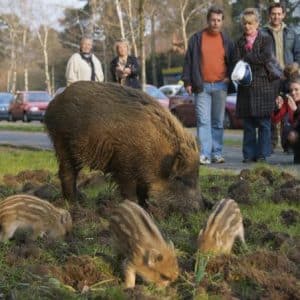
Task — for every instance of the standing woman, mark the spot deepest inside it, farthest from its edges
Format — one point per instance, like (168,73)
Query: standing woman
(125,68)
(256,101)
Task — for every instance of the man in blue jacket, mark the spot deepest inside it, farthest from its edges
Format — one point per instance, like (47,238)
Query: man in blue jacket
(206,73)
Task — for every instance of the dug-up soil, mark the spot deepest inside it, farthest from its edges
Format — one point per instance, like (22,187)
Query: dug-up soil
(84,266)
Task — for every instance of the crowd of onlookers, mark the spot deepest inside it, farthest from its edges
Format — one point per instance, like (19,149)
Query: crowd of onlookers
(268,100)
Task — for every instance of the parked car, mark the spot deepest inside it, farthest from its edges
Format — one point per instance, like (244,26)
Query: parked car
(183,107)
(170,89)
(28,106)
(5,99)
(157,94)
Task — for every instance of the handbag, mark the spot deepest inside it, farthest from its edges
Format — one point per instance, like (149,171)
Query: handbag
(242,74)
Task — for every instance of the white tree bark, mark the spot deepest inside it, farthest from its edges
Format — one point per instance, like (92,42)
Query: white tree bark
(25,64)
(141,12)
(120,17)
(132,32)
(43,39)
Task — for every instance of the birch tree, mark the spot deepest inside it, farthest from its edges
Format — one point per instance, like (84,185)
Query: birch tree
(120,17)
(141,14)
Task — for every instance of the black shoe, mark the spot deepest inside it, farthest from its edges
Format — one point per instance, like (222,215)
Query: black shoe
(247,160)
(261,159)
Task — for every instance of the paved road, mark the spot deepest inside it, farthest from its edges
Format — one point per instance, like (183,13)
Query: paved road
(232,154)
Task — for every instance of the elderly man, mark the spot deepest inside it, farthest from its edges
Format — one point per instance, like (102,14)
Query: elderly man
(206,74)
(84,65)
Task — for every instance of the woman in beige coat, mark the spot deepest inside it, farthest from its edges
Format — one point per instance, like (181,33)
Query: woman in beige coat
(84,65)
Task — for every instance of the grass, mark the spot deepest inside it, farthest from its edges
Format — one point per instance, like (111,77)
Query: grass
(14,160)
(100,266)
(21,126)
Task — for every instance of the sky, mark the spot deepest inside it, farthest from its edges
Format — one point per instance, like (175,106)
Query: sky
(41,11)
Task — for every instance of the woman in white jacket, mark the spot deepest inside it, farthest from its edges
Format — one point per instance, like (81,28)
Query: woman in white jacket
(84,65)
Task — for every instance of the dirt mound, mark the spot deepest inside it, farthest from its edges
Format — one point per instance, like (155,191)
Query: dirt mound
(80,271)
(290,217)
(288,192)
(41,176)
(248,274)
(240,191)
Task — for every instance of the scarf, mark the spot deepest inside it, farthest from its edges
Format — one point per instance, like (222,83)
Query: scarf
(250,41)
(88,58)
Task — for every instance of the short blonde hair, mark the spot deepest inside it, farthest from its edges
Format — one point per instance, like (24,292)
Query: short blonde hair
(249,15)
(121,41)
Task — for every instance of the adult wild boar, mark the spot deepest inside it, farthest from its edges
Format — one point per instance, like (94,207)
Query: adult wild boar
(127,133)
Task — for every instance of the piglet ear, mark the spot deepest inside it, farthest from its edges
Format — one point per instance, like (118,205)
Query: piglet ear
(153,257)
(171,244)
(64,218)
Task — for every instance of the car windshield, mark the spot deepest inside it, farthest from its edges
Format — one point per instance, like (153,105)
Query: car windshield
(155,92)
(6,98)
(38,97)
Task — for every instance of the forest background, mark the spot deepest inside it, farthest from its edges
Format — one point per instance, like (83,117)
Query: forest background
(36,39)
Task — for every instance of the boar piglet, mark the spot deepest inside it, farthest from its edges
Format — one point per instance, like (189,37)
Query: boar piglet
(29,212)
(223,226)
(138,239)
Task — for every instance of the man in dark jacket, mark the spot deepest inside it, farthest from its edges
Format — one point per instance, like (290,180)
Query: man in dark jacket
(206,74)
(125,68)
(285,44)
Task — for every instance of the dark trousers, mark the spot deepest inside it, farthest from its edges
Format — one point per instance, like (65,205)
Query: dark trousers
(257,144)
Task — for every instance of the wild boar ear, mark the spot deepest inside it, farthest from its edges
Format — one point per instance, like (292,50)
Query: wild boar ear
(171,164)
(154,256)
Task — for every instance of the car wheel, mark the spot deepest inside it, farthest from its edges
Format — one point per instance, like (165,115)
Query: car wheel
(25,117)
(11,118)
(227,122)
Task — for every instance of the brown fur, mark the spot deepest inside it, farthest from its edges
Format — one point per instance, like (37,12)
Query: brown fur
(125,132)
(35,214)
(147,253)
(223,225)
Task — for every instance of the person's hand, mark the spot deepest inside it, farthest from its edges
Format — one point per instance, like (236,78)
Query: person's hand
(188,88)
(127,71)
(226,80)
(279,101)
(291,103)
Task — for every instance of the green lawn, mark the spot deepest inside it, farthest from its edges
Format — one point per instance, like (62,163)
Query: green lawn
(60,269)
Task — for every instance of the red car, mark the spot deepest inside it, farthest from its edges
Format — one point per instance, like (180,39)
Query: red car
(183,107)
(28,106)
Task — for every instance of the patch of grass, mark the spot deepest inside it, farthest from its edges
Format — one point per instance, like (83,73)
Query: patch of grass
(13,160)
(19,126)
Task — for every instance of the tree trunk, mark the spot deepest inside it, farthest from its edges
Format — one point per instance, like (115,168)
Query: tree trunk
(183,23)
(52,79)
(120,17)
(153,52)
(13,62)
(133,41)
(25,60)
(91,27)
(142,41)
(44,43)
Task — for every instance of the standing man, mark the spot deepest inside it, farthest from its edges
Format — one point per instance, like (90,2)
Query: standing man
(285,43)
(206,74)
(84,65)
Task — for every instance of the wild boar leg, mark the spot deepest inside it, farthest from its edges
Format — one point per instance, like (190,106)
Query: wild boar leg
(130,275)
(68,176)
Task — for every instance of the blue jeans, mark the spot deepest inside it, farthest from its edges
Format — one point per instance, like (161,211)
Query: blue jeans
(210,109)
(257,146)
